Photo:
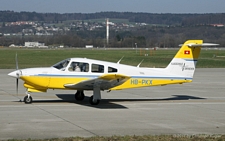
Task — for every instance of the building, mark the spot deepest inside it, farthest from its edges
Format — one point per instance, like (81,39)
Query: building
(35,44)
(89,46)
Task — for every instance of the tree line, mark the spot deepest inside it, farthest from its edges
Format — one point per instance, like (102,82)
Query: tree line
(143,37)
(175,30)
(150,18)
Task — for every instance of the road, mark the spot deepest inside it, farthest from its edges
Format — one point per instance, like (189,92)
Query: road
(187,109)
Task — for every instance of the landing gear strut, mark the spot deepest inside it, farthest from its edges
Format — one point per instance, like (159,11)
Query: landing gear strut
(79,96)
(95,99)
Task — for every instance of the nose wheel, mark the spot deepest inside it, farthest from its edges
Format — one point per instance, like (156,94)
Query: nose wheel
(28,99)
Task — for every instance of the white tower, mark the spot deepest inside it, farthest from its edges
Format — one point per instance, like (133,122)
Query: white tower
(107,31)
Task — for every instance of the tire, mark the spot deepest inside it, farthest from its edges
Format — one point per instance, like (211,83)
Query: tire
(93,102)
(79,96)
(28,100)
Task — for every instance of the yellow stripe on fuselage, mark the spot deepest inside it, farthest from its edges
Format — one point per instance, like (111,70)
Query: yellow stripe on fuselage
(143,82)
(50,82)
(42,83)
(37,81)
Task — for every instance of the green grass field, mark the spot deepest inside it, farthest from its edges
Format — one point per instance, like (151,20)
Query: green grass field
(159,58)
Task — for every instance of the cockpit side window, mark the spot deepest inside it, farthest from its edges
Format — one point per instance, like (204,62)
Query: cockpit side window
(62,64)
(97,68)
(112,70)
(79,67)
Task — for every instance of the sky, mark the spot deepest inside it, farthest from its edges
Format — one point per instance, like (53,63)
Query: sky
(93,6)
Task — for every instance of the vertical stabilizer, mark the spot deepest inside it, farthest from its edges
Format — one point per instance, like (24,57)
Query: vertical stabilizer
(184,62)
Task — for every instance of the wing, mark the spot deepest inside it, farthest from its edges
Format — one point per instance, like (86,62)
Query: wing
(104,82)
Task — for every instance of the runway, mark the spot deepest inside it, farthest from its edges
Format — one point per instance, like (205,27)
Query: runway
(187,109)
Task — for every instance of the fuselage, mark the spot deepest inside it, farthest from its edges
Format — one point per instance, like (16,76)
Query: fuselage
(76,70)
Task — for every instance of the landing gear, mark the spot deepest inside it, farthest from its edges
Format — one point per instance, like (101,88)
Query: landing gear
(94,102)
(28,99)
(79,96)
(95,99)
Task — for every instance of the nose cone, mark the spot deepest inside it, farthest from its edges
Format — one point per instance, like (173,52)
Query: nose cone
(15,74)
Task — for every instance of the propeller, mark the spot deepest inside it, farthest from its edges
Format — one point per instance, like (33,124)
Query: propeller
(18,74)
(17,79)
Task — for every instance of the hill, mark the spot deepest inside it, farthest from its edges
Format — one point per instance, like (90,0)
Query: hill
(79,29)
(150,18)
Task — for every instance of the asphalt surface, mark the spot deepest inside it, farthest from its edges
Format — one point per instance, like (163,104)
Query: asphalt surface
(187,109)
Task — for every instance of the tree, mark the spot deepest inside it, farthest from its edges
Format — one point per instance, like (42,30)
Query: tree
(3,24)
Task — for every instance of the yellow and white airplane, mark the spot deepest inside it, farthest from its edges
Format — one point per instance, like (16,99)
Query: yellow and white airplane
(87,74)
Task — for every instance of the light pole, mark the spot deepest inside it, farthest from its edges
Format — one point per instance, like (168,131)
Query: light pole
(136,47)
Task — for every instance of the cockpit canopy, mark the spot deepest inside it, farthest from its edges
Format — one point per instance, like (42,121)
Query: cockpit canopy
(72,65)
(62,64)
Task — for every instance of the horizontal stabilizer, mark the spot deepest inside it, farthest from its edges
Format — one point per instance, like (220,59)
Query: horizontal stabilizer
(199,45)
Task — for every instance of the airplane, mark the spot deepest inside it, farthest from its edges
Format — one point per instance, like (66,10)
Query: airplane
(83,74)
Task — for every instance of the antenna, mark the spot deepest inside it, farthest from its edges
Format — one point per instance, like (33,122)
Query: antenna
(120,60)
(140,63)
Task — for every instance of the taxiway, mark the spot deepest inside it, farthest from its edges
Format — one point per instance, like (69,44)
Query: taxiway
(191,108)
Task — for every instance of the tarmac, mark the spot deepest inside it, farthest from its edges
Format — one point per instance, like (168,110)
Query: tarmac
(187,109)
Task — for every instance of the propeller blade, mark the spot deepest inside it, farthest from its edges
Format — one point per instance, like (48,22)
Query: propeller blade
(17,83)
(17,79)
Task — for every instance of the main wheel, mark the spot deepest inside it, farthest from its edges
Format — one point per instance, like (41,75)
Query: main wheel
(93,102)
(28,100)
(79,96)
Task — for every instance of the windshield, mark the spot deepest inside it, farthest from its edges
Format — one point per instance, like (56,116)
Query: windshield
(62,64)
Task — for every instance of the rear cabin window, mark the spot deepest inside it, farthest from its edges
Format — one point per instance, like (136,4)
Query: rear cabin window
(97,68)
(111,70)
(79,67)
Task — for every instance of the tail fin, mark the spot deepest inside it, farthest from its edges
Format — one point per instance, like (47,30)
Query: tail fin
(184,62)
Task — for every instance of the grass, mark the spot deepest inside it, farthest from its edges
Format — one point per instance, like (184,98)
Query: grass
(47,57)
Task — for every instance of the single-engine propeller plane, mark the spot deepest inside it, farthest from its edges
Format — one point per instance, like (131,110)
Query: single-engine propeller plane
(87,74)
